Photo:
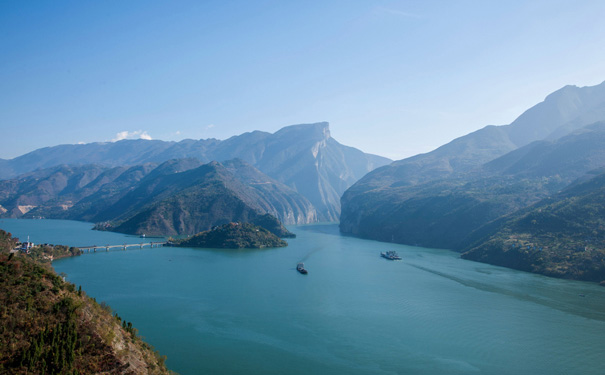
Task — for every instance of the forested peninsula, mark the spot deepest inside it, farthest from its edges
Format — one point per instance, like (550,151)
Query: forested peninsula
(233,236)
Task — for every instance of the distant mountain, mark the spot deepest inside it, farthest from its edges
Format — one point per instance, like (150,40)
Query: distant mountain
(177,197)
(304,157)
(562,236)
(195,200)
(568,157)
(54,191)
(562,112)
(447,213)
(449,197)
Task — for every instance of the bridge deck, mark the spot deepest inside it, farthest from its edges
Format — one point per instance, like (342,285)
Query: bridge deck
(123,246)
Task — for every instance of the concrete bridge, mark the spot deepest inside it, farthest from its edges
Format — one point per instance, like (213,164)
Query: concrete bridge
(94,248)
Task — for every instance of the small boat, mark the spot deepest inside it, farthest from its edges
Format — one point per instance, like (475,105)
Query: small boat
(300,267)
(142,235)
(390,255)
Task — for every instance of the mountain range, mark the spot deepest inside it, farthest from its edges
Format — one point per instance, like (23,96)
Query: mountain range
(176,197)
(453,196)
(304,157)
(472,195)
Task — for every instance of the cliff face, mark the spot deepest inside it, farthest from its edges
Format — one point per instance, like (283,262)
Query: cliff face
(177,197)
(195,200)
(303,157)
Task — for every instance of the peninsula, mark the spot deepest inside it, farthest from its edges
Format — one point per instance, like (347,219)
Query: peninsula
(233,236)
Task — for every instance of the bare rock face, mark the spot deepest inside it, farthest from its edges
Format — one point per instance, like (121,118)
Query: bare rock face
(303,157)
(176,197)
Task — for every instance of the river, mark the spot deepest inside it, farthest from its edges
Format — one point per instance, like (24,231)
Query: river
(217,311)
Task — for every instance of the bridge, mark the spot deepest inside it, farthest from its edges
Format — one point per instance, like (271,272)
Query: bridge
(94,248)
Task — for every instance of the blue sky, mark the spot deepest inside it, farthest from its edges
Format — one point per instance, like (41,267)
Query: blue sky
(395,78)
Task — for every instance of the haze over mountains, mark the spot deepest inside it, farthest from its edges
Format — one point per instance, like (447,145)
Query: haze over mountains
(460,196)
(304,157)
(454,196)
(563,111)
(180,196)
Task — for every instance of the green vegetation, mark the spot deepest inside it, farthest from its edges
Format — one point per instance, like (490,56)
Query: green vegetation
(53,351)
(49,327)
(178,197)
(233,236)
(270,223)
(48,253)
(498,212)
(563,236)
(443,214)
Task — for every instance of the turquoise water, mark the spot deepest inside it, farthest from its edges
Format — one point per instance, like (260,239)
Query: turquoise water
(250,312)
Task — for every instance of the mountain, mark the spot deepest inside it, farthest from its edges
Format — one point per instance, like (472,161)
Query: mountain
(561,236)
(450,213)
(195,200)
(53,192)
(562,112)
(569,157)
(446,198)
(565,110)
(304,157)
(176,197)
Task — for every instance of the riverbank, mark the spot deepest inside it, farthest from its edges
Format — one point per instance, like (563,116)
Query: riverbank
(49,326)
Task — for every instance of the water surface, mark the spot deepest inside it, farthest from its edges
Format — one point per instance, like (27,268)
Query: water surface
(249,312)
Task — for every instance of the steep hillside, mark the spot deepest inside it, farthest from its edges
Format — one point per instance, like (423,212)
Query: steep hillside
(450,213)
(47,326)
(197,199)
(562,236)
(303,157)
(565,110)
(458,180)
(562,112)
(309,160)
(40,187)
(569,157)
(160,199)
(272,196)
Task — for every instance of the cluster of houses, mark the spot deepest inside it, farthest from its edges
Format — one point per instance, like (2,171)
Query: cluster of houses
(24,246)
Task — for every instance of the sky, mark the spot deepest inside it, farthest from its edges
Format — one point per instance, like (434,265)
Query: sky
(393,78)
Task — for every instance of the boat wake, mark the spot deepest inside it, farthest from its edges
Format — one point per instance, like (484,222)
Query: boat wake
(304,259)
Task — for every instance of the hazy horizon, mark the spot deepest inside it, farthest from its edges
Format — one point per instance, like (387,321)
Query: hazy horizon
(393,78)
